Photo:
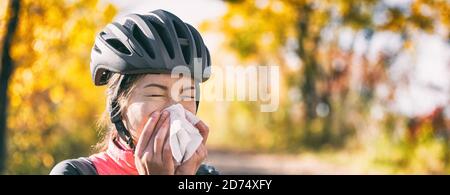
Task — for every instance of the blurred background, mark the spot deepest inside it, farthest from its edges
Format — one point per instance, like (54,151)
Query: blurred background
(364,84)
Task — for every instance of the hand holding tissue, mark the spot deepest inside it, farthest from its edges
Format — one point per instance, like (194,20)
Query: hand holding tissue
(184,137)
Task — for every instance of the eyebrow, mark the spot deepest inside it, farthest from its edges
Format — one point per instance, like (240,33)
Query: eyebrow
(156,85)
(187,88)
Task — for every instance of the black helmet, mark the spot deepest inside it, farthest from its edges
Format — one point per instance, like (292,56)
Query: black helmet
(154,42)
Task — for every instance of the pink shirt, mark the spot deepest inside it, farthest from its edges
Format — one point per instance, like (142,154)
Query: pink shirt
(116,160)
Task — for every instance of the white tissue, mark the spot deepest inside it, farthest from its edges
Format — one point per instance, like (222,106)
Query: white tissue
(184,136)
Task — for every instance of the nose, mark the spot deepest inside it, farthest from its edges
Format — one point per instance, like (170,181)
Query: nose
(169,102)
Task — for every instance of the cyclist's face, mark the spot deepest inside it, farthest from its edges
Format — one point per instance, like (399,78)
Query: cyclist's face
(155,92)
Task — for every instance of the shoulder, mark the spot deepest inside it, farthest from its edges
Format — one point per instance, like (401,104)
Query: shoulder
(79,166)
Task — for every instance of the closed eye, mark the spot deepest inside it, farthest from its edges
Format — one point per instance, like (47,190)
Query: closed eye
(187,97)
(154,95)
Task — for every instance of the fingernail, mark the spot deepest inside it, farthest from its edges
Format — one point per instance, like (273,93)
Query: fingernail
(155,114)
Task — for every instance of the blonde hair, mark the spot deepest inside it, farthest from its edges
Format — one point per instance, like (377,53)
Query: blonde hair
(107,129)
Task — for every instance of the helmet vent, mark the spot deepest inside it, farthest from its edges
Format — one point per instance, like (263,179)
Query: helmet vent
(105,76)
(208,58)
(143,40)
(183,40)
(119,46)
(97,49)
(165,36)
(198,41)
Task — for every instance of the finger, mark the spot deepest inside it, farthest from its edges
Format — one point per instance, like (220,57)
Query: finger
(160,139)
(202,152)
(161,120)
(167,154)
(150,148)
(167,150)
(138,164)
(199,155)
(146,133)
(164,116)
(144,161)
(203,130)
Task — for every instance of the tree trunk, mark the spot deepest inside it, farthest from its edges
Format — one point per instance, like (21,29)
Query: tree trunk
(6,68)
(312,73)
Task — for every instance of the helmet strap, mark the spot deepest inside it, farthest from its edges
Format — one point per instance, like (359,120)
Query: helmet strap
(116,117)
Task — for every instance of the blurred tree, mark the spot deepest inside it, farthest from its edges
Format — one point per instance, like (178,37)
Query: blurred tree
(332,101)
(6,66)
(53,105)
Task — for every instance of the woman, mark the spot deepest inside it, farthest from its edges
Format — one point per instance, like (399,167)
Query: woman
(134,57)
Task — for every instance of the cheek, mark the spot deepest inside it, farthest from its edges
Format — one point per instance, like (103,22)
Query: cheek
(190,106)
(138,114)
